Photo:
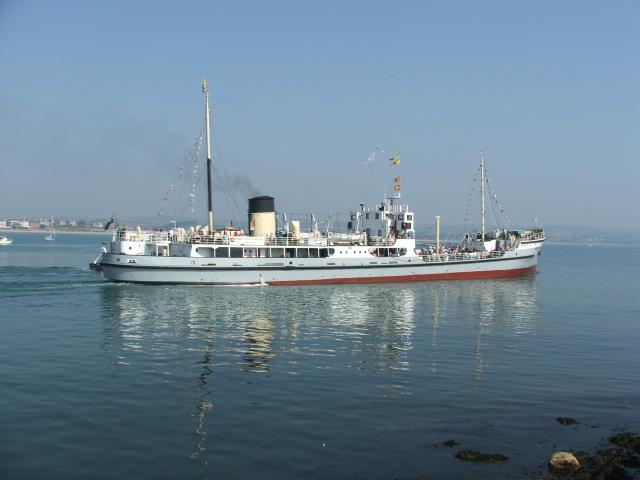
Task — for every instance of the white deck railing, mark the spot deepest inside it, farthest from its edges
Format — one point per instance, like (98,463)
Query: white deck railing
(147,237)
(535,234)
(244,241)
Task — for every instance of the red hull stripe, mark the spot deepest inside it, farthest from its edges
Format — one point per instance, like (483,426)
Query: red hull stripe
(415,278)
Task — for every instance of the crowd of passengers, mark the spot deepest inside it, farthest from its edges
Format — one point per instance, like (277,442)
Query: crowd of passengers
(446,249)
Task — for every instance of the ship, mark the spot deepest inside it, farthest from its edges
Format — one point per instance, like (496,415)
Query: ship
(378,245)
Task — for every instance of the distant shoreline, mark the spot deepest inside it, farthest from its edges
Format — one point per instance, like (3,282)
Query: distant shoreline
(58,232)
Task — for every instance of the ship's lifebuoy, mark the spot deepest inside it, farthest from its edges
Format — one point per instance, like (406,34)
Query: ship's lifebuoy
(232,240)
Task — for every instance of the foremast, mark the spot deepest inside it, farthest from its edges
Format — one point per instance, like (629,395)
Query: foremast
(207,114)
(482,194)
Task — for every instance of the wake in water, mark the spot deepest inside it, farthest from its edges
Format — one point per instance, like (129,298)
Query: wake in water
(25,281)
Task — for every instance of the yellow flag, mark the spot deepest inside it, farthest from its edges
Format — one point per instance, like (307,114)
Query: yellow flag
(395,160)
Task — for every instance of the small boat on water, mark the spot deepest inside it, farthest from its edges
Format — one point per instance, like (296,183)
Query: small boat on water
(51,236)
(378,246)
(5,241)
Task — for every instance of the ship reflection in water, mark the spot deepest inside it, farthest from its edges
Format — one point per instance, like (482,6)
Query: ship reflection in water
(268,345)
(258,335)
(490,310)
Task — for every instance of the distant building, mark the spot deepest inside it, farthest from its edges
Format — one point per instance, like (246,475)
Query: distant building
(3,224)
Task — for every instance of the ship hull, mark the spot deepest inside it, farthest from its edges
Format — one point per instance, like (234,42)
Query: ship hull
(176,270)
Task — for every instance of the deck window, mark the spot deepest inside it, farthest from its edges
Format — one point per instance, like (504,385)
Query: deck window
(313,253)
(222,252)
(235,252)
(303,253)
(205,252)
(277,253)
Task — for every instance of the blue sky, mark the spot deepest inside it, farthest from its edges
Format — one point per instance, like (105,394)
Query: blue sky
(100,101)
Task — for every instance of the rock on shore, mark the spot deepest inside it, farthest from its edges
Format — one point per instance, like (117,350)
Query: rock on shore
(563,462)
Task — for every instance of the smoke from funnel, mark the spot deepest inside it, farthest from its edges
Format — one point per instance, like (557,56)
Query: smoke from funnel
(242,186)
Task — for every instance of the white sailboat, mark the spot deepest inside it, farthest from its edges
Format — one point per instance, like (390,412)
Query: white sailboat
(52,231)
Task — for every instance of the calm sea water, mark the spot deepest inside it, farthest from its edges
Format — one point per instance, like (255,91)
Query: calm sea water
(101,380)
